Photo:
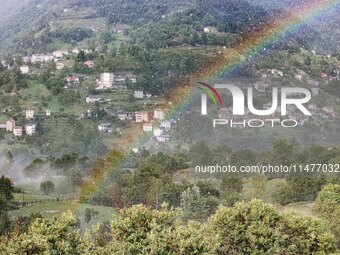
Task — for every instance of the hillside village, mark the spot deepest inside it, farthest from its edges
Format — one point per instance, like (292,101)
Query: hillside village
(153,121)
(107,73)
(150,122)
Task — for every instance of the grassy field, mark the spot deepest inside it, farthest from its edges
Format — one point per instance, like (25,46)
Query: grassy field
(52,209)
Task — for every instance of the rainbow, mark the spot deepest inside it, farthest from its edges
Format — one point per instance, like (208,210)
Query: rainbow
(242,52)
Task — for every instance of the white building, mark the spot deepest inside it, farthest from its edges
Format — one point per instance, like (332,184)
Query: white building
(24,69)
(48,57)
(38,58)
(17,131)
(58,54)
(106,80)
(124,115)
(158,114)
(276,72)
(26,59)
(105,128)
(138,94)
(10,125)
(30,129)
(75,51)
(166,125)
(48,112)
(141,117)
(157,132)
(147,127)
(59,66)
(29,114)
(93,98)
(163,138)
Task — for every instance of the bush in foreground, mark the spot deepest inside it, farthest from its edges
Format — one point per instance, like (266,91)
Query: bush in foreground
(248,228)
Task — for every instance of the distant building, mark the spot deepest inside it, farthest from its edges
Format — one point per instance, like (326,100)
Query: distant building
(73,80)
(38,58)
(163,138)
(75,51)
(105,128)
(48,112)
(139,94)
(276,72)
(299,77)
(324,75)
(10,125)
(57,54)
(166,125)
(147,127)
(124,115)
(106,80)
(17,131)
(4,63)
(93,98)
(24,69)
(209,29)
(158,114)
(89,64)
(148,95)
(59,66)
(157,132)
(30,129)
(131,77)
(48,57)
(29,114)
(26,60)
(141,117)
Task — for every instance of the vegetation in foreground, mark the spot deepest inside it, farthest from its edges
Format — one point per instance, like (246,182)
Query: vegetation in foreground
(247,228)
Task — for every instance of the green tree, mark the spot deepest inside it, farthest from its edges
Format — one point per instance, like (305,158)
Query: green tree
(47,187)
(328,206)
(6,188)
(230,189)
(256,228)
(48,237)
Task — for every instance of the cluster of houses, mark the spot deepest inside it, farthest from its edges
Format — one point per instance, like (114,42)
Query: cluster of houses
(138,94)
(161,130)
(56,56)
(18,131)
(112,80)
(151,122)
(28,129)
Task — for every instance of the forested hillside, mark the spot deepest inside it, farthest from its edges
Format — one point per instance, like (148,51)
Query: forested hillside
(38,24)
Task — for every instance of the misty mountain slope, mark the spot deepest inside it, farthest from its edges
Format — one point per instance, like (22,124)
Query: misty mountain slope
(322,34)
(43,24)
